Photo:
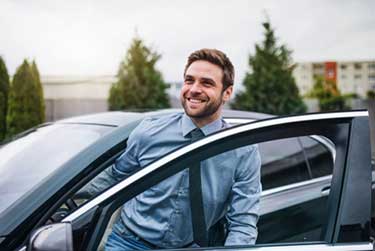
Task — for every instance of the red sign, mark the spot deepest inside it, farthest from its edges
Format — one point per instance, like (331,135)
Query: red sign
(330,71)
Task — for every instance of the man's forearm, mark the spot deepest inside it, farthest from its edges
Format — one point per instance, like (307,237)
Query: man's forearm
(242,238)
(105,179)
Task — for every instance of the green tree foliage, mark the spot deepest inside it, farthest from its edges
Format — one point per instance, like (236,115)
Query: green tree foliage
(23,102)
(140,85)
(4,91)
(116,100)
(371,94)
(328,95)
(40,105)
(269,85)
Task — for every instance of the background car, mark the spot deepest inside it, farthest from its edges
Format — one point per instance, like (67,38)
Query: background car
(44,173)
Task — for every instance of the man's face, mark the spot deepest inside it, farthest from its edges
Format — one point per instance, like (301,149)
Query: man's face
(202,94)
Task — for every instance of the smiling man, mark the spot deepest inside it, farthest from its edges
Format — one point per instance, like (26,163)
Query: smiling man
(204,91)
(226,185)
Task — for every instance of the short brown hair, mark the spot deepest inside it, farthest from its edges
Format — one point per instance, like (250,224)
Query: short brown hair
(215,57)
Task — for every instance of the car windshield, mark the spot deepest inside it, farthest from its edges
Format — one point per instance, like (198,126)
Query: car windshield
(26,161)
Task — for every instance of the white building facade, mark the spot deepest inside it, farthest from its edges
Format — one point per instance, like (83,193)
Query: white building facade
(67,96)
(350,76)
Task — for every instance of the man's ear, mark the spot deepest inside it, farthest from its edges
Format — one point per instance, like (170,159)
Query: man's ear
(227,93)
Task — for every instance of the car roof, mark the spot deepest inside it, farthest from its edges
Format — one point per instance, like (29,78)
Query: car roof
(119,118)
(105,118)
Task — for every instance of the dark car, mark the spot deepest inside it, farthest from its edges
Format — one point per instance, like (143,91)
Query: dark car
(316,177)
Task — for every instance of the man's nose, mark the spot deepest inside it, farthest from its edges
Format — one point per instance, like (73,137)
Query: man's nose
(196,87)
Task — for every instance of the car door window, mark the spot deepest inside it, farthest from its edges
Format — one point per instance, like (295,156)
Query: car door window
(294,202)
(293,160)
(320,154)
(287,213)
(296,182)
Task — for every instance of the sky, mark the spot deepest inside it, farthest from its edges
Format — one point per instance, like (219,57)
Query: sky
(90,37)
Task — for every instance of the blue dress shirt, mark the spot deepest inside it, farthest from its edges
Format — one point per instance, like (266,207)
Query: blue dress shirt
(230,185)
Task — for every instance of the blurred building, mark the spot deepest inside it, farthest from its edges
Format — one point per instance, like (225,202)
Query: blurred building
(67,96)
(350,76)
(174,94)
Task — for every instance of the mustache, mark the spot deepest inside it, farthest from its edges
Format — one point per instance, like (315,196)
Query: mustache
(197,96)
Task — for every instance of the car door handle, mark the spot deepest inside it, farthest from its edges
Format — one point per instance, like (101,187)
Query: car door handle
(325,191)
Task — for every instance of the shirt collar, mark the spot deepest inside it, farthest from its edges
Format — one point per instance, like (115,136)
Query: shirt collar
(188,125)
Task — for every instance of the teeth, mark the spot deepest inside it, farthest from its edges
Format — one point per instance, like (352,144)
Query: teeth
(195,100)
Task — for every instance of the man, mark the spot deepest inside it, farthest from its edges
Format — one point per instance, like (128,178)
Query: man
(161,216)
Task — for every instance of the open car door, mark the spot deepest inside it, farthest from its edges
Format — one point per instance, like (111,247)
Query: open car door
(345,224)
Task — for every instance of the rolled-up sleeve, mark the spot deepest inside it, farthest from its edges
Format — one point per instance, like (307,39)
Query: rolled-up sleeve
(243,210)
(128,162)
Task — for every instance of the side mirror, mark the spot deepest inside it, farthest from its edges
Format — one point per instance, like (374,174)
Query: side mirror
(54,237)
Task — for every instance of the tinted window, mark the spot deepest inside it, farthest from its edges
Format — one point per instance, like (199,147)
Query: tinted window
(298,223)
(292,160)
(283,163)
(298,212)
(42,151)
(296,183)
(320,154)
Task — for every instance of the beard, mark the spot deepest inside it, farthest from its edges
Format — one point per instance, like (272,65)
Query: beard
(209,108)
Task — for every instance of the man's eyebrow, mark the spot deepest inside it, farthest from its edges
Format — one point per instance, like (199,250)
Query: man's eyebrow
(208,80)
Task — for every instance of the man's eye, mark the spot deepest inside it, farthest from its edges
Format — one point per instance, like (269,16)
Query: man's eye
(188,81)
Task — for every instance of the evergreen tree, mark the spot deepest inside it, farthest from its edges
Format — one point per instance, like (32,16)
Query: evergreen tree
(4,90)
(270,86)
(115,100)
(23,108)
(328,95)
(40,105)
(140,85)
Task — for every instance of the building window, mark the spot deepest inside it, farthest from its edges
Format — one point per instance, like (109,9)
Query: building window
(357,76)
(318,66)
(343,66)
(371,66)
(357,66)
(343,76)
